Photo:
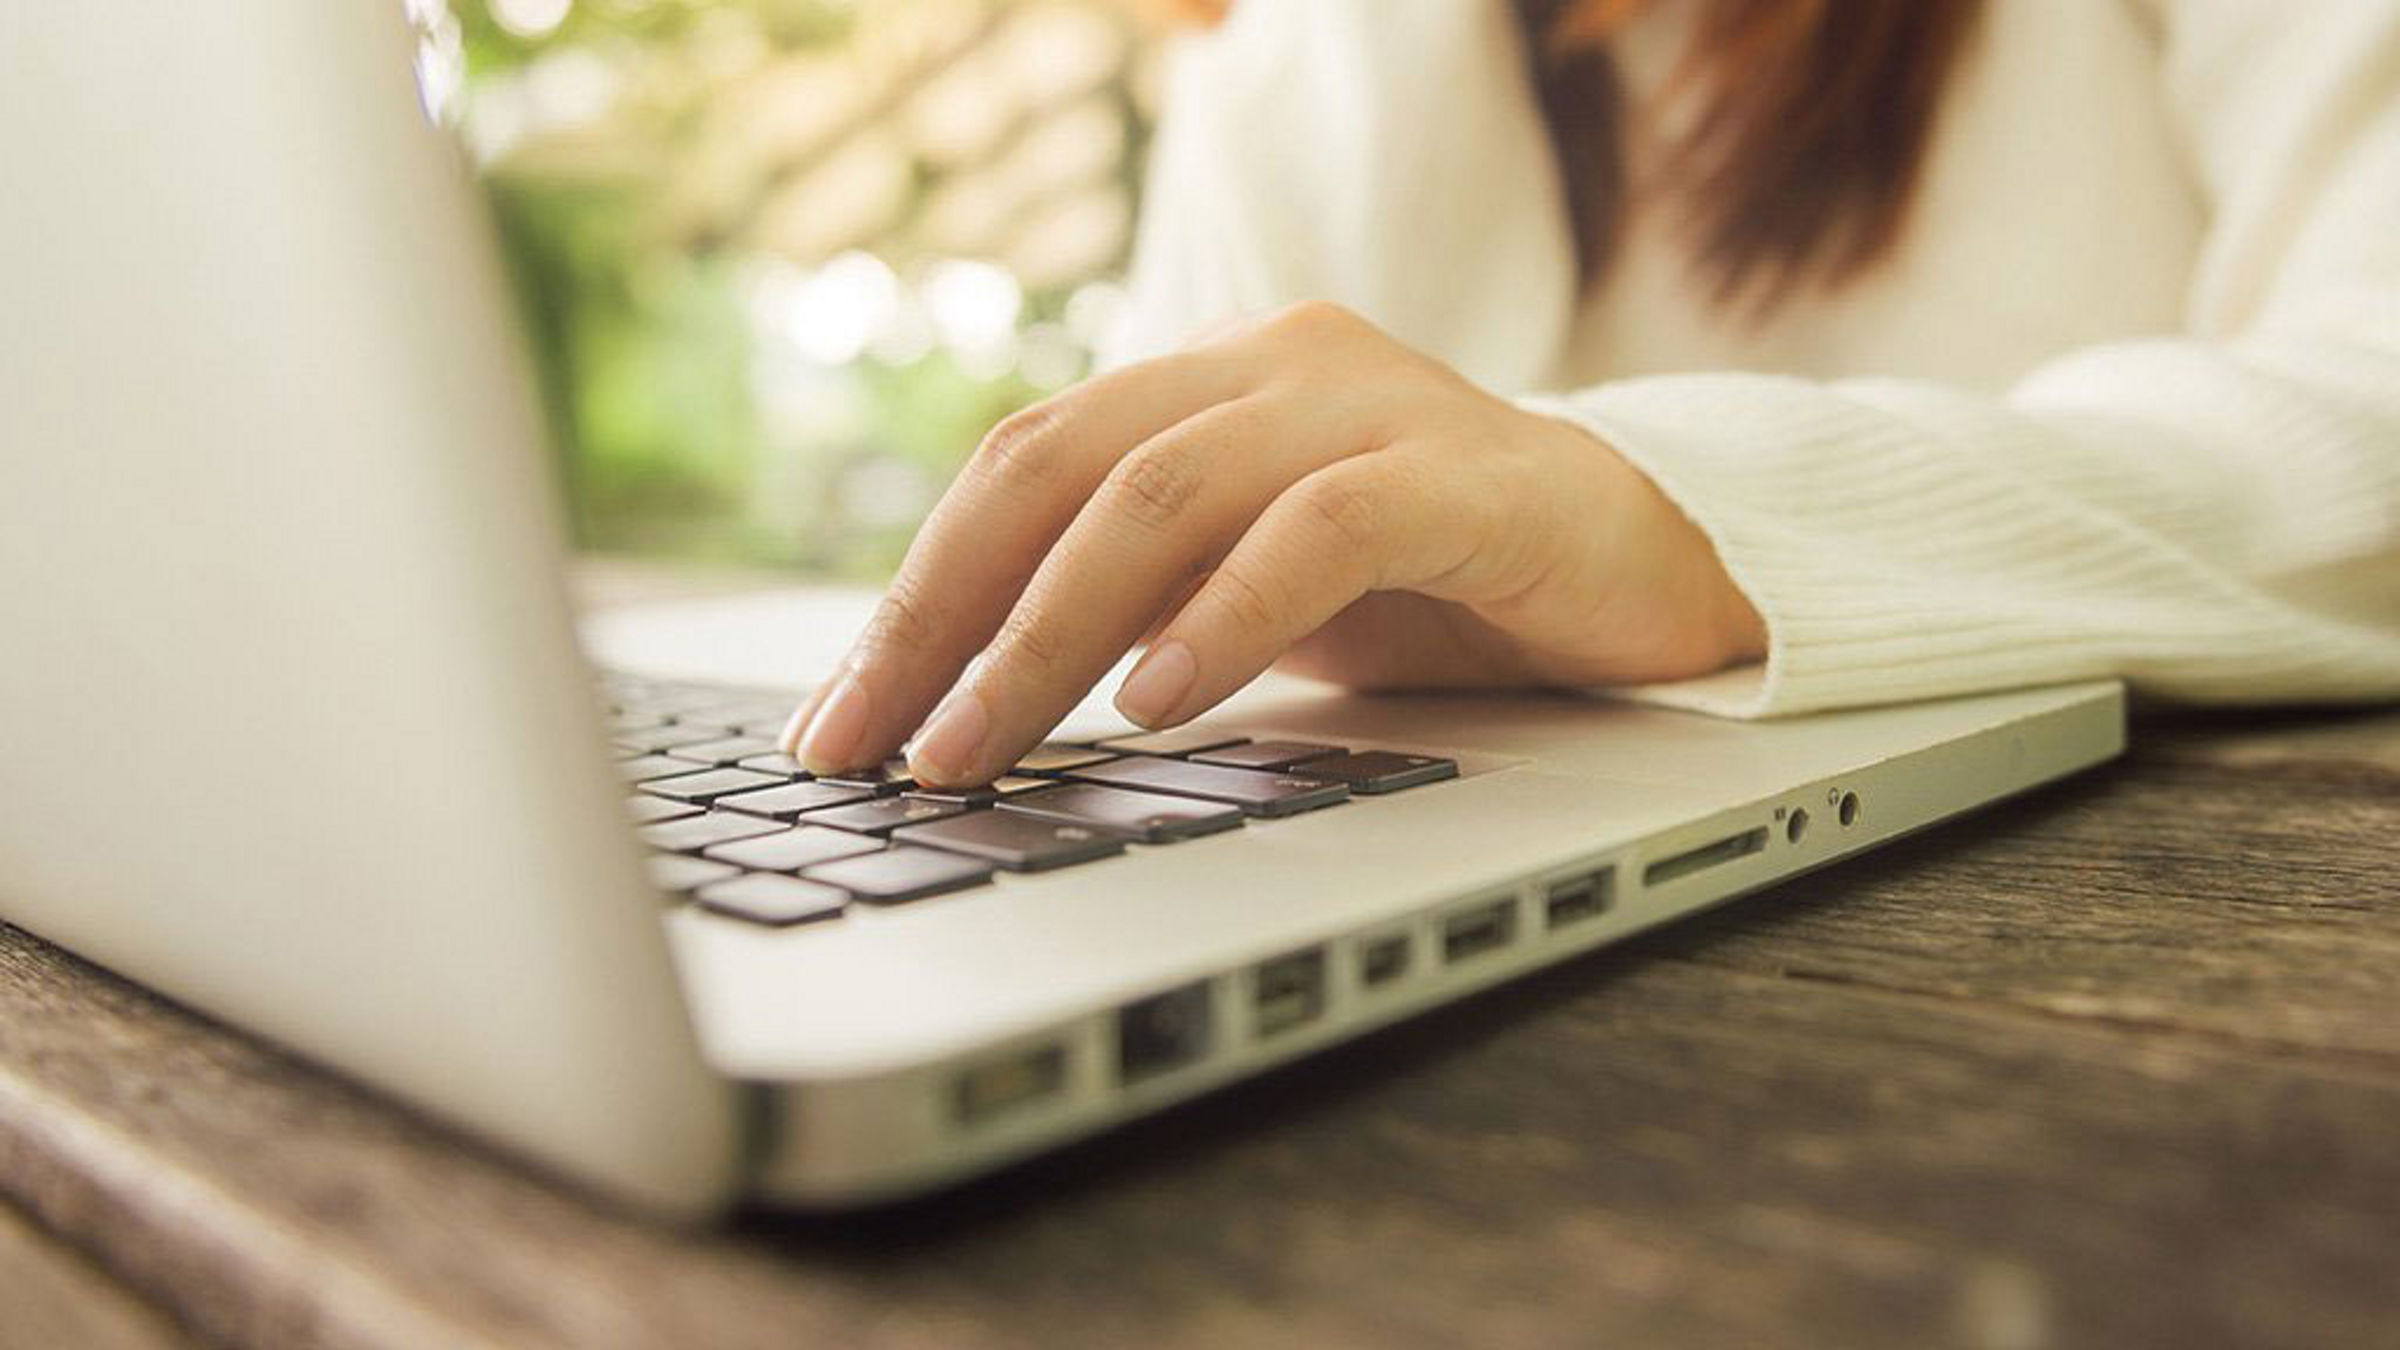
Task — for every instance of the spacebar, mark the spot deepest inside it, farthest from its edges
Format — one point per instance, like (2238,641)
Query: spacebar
(1259,794)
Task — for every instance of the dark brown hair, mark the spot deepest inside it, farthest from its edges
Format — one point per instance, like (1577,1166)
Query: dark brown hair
(1796,131)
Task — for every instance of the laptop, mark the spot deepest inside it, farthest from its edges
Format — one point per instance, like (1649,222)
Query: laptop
(294,725)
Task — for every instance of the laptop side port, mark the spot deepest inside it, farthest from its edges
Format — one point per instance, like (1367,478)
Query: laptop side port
(1382,960)
(1731,848)
(1001,1084)
(1287,991)
(1483,928)
(1569,900)
(1163,1032)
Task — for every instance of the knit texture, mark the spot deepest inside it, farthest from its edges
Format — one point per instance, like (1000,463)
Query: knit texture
(2126,402)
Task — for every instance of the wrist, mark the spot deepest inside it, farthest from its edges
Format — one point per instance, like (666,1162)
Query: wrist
(1652,545)
(1696,572)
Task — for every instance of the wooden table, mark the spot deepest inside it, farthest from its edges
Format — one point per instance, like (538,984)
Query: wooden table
(2118,1064)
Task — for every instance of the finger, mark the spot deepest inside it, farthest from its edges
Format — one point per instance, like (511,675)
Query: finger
(1373,523)
(1165,513)
(983,540)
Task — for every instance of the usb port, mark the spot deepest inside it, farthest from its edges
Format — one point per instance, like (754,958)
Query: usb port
(1382,960)
(1479,929)
(998,1086)
(1288,991)
(1573,899)
(1165,1032)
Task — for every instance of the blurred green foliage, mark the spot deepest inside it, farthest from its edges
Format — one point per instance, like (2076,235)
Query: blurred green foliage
(637,200)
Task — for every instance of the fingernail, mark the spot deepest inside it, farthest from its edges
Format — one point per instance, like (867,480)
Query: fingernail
(945,751)
(1158,685)
(830,743)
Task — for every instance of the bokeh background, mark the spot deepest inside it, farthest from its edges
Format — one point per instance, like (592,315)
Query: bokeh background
(784,260)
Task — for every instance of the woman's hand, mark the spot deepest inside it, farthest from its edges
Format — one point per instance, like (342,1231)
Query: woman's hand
(1303,492)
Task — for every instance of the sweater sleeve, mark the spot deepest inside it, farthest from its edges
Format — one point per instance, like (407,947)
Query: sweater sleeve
(2214,517)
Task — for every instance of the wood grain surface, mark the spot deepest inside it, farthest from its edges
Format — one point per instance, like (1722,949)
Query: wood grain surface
(2116,1064)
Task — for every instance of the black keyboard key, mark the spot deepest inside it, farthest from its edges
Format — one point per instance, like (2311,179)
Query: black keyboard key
(729,751)
(898,874)
(1052,758)
(1017,842)
(1260,794)
(776,762)
(678,875)
(649,810)
(652,739)
(1370,772)
(964,796)
(1266,756)
(997,790)
(790,799)
(685,703)
(709,784)
(1147,816)
(773,900)
(1178,741)
(889,778)
(750,717)
(793,849)
(651,766)
(882,815)
(694,833)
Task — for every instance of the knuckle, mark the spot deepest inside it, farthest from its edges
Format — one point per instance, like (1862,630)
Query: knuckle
(1247,604)
(1157,484)
(1020,450)
(1031,645)
(1341,508)
(1313,318)
(904,620)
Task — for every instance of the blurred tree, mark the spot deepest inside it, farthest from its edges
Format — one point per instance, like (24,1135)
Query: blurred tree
(783,260)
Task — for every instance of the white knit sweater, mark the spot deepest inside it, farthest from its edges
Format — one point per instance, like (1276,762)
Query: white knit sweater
(2126,400)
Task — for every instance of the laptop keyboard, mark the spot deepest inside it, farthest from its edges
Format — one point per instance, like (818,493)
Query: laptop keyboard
(740,829)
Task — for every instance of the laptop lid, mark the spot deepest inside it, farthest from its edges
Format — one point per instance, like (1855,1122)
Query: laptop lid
(291,722)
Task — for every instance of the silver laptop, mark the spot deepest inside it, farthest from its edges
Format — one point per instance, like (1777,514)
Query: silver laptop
(294,728)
